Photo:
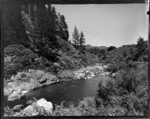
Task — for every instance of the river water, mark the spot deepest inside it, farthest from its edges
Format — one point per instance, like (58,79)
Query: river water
(69,91)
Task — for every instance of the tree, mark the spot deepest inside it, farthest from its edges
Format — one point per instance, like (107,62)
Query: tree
(111,48)
(141,45)
(141,48)
(75,37)
(81,40)
(14,31)
(63,27)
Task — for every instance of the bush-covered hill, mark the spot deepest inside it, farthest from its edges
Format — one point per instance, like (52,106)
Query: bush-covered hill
(134,52)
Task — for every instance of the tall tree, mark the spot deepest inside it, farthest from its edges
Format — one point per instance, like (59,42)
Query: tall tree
(81,40)
(63,27)
(141,45)
(75,37)
(141,48)
(14,31)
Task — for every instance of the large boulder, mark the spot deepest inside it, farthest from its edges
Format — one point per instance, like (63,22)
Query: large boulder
(45,104)
(30,111)
(17,107)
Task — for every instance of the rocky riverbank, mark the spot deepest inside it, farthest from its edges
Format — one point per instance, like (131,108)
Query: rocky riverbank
(91,72)
(23,82)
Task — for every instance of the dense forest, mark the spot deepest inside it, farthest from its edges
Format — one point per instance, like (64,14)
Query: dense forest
(38,52)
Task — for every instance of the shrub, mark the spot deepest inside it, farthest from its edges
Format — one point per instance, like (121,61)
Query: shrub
(23,76)
(86,107)
(11,69)
(13,50)
(111,48)
(25,57)
(128,81)
(8,111)
(105,91)
(112,68)
(21,59)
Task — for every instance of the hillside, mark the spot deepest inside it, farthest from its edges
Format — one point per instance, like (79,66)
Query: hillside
(128,53)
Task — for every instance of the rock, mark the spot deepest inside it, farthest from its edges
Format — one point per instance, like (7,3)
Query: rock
(13,96)
(29,102)
(57,64)
(113,75)
(45,104)
(17,107)
(92,74)
(7,91)
(43,80)
(105,66)
(86,71)
(105,73)
(100,67)
(49,79)
(79,75)
(29,110)
(12,78)
(23,92)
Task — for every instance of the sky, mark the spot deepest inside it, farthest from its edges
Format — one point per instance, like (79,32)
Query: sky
(107,24)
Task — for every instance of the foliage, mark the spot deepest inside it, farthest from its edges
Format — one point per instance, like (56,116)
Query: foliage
(81,41)
(112,68)
(75,36)
(14,31)
(21,58)
(125,91)
(96,50)
(111,48)
(63,27)
(8,111)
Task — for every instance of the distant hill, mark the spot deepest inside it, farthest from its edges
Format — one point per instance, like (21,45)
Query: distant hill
(127,52)
(98,47)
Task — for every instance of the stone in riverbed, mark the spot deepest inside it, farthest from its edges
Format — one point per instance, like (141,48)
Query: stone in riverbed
(45,104)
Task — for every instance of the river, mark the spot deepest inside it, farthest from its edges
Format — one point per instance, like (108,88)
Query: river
(69,91)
